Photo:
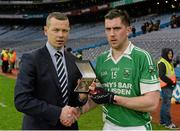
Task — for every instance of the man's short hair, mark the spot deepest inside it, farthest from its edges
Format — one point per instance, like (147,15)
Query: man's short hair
(115,13)
(56,15)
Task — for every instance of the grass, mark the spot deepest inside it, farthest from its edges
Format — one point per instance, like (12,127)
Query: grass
(91,120)
(11,119)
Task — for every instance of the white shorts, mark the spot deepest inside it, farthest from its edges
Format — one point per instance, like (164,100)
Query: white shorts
(110,126)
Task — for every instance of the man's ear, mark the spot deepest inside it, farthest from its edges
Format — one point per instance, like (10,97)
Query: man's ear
(129,30)
(45,30)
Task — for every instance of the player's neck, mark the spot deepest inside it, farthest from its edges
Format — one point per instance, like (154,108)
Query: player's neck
(116,53)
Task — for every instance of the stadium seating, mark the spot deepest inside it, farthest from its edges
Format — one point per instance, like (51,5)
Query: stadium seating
(87,36)
(152,42)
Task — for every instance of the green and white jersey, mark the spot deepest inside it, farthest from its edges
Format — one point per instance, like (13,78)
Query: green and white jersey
(133,74)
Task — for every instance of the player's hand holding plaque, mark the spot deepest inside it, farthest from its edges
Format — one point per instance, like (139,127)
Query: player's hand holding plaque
(88,76)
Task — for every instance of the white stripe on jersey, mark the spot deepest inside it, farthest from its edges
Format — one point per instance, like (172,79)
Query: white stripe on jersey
(149,81)
(104,109)
(154,77)
(150,62)
(146,53)
(129,57)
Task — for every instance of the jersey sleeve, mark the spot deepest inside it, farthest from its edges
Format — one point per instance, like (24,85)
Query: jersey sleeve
(149,75)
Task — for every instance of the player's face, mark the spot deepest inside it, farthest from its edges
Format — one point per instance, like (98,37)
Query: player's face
(116,32)
(57,32)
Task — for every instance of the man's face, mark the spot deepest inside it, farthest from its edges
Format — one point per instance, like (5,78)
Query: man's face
(57,32)
(116,32)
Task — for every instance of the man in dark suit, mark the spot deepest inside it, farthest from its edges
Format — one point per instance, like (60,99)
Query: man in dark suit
(38,90)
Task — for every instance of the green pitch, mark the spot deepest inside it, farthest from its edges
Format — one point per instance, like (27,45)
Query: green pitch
(9,118)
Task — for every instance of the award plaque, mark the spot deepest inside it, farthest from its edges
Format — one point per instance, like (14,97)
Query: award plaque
(88,76)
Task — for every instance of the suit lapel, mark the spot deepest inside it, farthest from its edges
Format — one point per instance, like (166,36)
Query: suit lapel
(52,70)
(49,65)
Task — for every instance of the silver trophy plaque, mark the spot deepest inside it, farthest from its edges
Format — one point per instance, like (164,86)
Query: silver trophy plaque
(88,76)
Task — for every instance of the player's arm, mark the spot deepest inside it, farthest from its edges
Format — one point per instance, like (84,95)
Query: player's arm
(88,106)
(146,103)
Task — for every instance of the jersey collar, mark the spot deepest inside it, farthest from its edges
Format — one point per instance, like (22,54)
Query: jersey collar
(129,49)
(126,53)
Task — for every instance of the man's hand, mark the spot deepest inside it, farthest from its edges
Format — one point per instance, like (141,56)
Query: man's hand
(68,115)
(76,112)
(101,96)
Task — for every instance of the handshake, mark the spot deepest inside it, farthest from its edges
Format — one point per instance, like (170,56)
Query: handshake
(69,115)
(99,95)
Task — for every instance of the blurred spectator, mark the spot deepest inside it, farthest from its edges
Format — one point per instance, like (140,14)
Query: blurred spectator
(150,27)
(167,82)
(5,58)
(143,28)
(12,59)
(156,25)
(173,21)
(134,31)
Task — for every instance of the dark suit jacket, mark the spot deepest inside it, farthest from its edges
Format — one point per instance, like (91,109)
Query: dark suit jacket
(36,91)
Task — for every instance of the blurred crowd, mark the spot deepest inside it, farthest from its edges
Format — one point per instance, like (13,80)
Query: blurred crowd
(174,21)
(8,58)
(150,26)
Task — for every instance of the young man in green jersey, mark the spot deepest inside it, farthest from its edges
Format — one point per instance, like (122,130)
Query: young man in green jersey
(130,86)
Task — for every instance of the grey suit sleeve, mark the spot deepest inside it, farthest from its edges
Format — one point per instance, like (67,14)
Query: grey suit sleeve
(25,97)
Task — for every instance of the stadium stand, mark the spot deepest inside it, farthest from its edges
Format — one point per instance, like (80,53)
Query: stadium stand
(85,36)
(152,42)
(27,38)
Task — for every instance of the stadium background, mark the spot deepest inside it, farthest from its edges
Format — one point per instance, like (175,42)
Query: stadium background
(22,21)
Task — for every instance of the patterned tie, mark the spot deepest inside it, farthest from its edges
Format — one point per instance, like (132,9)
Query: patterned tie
(62,76)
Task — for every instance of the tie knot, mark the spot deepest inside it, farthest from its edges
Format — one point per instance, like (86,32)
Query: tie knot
(59,54)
